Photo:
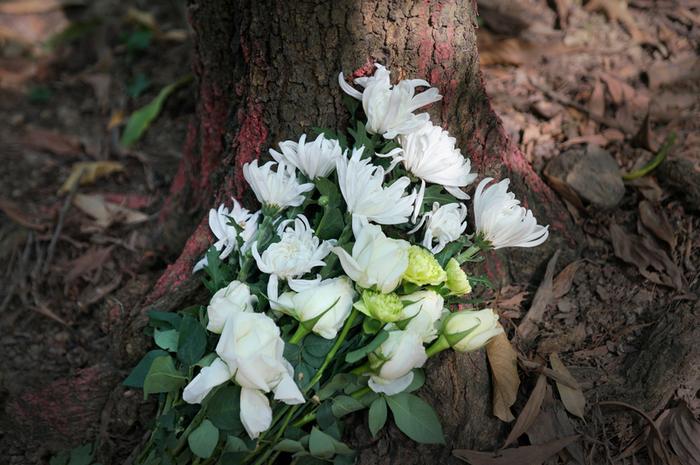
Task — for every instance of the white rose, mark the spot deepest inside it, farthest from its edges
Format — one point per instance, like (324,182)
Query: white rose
(251,352)
(332,297)
(392,363)
(233,298)
(467,330)
(376,260)
(425,311)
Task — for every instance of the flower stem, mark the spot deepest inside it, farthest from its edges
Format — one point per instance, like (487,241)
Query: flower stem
(300,333)
(438,346)
(469,254)
(362,369)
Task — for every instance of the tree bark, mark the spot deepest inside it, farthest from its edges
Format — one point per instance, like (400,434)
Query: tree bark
(267,71)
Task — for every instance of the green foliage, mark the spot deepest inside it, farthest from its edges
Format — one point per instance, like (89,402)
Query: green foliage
(163,376)
(138,85)
(418,380)
(138,375)
(166,339)
(193,341)
(337,383)
(377,415)
(416,418)
(359,354)
(324,446)
(219,274)
(203,440)
(141,119)
(344,405)
(138,40)
(39,94)
(224,409)
(362,139)
(81,455)
(164,320)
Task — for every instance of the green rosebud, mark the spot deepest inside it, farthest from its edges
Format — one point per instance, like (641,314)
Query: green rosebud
(383,307)
(423,268)
(457,281)
(469,330)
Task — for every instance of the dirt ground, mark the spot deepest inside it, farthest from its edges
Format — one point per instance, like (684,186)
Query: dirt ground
(588,92)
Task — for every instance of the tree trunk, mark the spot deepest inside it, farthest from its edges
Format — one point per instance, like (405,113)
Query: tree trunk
(267,71)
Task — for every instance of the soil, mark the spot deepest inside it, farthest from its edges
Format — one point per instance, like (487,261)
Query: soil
(559,76)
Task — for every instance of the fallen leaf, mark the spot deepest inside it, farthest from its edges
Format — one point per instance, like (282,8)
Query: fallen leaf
(573,399)
(653,217)
(106,213)
(93,294)
(52,141)
(596,103)
(28,7)
(685,67)
(18,216)
(684,435)
(648,187)
(141,119)
(528,327)
(597,139)
(100,83)
(87,172)
(526,455)
(91,260)
(495,50)
(644,137)
(616,10)
(116,119)
(561,285)
(504,370)
(530,411)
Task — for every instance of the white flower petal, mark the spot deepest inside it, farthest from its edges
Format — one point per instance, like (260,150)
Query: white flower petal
(215,374)
(288,392)
(390,387)
(256,414)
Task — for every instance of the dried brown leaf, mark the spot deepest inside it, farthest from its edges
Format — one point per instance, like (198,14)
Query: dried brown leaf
(91,260)
(562,283)
(616,10)
(504,369)
(572,398)
(106,213)
(530,411)
(596,103)
(528,328)
(52,141)
(654,218)
(684,435)
(526,455)
(18,216)
(87,172)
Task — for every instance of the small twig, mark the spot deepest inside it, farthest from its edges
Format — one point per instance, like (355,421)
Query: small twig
(59,225)
(609,122)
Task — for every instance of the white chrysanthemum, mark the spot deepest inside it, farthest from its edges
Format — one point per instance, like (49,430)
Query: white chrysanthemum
(361,185)
(389,109)
(314,159)
(297,253)
(443,224)
(226,233)
(431,155)
(501,220)
(279,189)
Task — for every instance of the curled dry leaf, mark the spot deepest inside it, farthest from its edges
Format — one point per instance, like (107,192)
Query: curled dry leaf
(530,411)
(526,455)
(527,329)
(87,172)
(572,398)
(504,369)
(684,435)
(106,213)
(654,218)
(91,260)
(562,283)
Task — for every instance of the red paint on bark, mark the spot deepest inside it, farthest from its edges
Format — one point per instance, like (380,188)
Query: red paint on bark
(180,271)
(249,142)
(213,112)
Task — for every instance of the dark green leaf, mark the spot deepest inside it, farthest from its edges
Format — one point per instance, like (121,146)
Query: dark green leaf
(141,119)
(343,405)
(415,418)
(288,445)
(163,376)
(206,360)
(321,445)
(436,193)
(336,383)
(377,415)
(329,189)
(324,415)
(166,339)
(138,85)
(359,354)
(359,134)
(203,440)
(81,455)
(224,410)
(138,374)
(371,326)
(418,380)
(235,444)
(164,320)
(193,341)
(138,40)
(450,250)
(331,224)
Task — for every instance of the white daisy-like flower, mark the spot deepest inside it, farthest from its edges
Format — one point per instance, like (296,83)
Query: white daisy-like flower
(279,189)
(297,253)
(389,109)
(501,220)
(314,159)
(361,184)
(443,224)
(220,223)
(431,155)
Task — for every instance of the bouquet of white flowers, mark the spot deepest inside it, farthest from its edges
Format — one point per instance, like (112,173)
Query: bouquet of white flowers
(331,297)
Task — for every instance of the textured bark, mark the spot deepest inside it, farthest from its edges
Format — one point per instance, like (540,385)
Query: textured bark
(267,71)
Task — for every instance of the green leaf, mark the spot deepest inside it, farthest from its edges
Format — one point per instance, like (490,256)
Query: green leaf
(359,354)
(204,439)
(336,383)
(235,444)
(193,341)
(331,224)
(321,445)
(140,371)
(141,119)
(166,339)
(288,445)
(81,455)
(138,40)
(164,320)
(436,193)
(344,405)
(359,134)
(450,250)
(330,189)
(224,409)
(163,376)
(206,360)
(416,418)
(377,415)
(138,85)
(418,380)
(314,349)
